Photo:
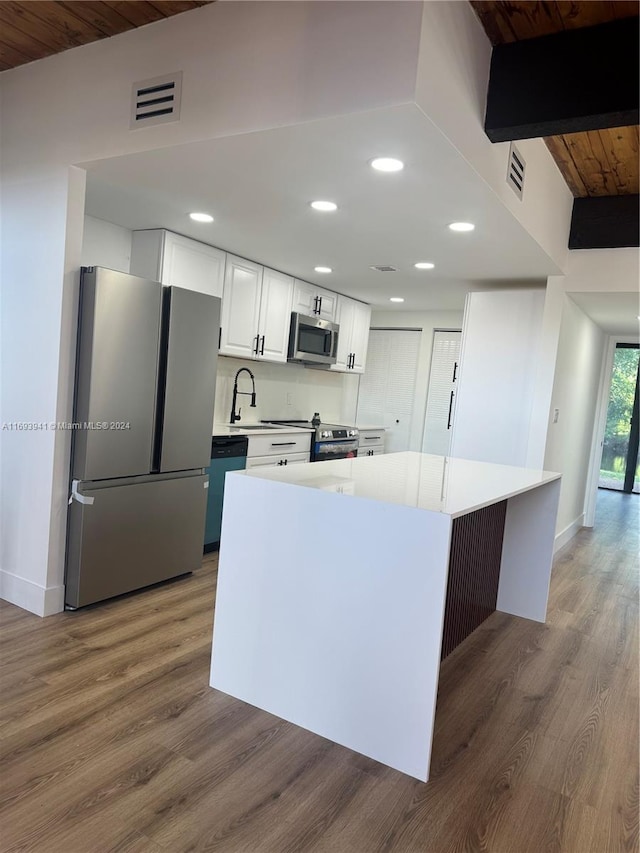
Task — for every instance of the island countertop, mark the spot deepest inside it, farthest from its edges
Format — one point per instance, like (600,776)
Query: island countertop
(419,480)
(342,584)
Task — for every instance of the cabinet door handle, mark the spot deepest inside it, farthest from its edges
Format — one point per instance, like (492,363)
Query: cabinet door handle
(455,371)
(315,305)
(320,306)
(219,337)
(262,346)
(254,347)
(282,443)
(285,461)
(450,409)
(372,438)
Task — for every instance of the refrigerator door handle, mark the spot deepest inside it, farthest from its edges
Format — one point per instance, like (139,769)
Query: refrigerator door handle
(76,496)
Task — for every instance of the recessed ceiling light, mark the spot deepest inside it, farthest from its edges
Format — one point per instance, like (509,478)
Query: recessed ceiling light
(396,299)
(462,226)
(424,265)
(324,205)
(387,164)
(323,269)
(201,217)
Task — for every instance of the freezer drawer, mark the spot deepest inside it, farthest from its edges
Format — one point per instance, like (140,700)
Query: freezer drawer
(133,535)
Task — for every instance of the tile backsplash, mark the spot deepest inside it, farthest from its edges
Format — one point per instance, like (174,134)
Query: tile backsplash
(286,391)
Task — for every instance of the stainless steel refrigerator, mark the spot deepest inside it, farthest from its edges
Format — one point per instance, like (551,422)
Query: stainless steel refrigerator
(143,413)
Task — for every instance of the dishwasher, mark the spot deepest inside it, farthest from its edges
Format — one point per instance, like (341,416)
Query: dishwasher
(228,453)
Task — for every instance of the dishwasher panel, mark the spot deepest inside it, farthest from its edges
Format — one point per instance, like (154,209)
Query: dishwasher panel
(228,453)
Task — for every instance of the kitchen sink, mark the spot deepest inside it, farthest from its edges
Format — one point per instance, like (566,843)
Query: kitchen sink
(255,426)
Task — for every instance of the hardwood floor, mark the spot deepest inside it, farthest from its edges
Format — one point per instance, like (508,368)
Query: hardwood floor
(113,741)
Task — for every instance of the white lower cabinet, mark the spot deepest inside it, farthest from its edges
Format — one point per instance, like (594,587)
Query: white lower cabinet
(281,448)
(177,261)
(256,311)
(275,461)
(370,442)
(354,319)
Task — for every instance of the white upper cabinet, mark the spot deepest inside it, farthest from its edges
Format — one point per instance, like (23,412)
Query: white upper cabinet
(240,308)
(353,338)
(275,316)
(314,301)
(344,318)
(256,311)
(176,260)
(360,336)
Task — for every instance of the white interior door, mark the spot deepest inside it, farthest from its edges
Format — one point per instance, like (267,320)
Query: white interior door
(443,374)
(387,387)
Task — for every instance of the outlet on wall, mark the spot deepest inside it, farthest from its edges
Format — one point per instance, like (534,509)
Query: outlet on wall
(289,398)
(556,415)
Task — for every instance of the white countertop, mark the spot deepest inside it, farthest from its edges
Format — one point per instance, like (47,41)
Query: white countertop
(245,429)
(418,480)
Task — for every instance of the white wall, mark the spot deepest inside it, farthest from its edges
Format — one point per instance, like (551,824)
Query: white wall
(246,66)
(427,322)
(602,271)
(106,245)
(308,390)
(581,350)
(451,88)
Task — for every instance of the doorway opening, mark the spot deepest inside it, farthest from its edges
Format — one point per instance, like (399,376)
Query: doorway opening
(619,470)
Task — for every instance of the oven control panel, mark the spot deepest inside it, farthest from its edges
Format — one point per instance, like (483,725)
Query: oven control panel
(338,433)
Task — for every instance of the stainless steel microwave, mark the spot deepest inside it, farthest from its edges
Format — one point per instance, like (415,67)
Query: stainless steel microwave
(313,340)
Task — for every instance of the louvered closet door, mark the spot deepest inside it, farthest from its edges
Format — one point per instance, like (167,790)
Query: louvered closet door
(387,387)
(441,395)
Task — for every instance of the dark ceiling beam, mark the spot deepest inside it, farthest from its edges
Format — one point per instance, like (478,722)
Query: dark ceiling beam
(605,222)
(583,79)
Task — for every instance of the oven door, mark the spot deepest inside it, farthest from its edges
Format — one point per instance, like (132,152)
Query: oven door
(324,451)
(313,340)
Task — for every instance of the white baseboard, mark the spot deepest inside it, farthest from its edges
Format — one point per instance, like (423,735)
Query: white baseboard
(568,533)
(43,601)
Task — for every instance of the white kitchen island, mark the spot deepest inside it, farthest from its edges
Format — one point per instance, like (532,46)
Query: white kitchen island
(341,584)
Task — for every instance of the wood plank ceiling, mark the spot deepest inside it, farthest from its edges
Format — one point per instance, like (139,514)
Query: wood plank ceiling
(596,162)
(37,28)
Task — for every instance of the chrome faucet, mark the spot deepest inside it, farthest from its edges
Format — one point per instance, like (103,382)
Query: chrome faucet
(236,417)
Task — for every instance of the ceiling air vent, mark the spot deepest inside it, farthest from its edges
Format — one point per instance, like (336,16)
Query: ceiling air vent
(383,268)
(515,175)
(156,101)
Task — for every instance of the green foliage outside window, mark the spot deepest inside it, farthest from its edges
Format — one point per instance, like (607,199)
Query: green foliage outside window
(623,387)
